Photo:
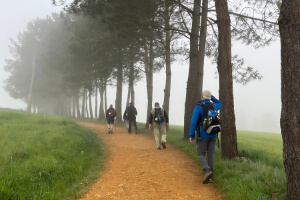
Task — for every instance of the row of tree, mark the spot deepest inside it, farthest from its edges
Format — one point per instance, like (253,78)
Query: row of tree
(73,55)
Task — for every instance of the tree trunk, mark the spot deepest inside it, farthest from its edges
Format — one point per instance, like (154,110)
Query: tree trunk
(193,92)
(202,43)
(101,110)
(105,88)
(73,106)
(131,76)
(96,99)
(86,104)
(149,76)
(90,104)
(132,94)
(77,106)
(118,105)
(167,89)
(228,133)
(289,27)
(128,95)
(31,82)
(83,103)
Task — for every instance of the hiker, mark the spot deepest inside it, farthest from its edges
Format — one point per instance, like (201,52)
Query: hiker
(110,117)
(131,113)
(159,118)
(205,142)
(125,117)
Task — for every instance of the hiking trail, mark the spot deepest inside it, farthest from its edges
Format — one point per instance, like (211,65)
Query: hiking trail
(136,170)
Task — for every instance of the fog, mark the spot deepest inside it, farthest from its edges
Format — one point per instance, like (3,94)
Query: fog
(257,104)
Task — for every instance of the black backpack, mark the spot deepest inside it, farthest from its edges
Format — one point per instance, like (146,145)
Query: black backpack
(131,112)
(158,115)
(211,120)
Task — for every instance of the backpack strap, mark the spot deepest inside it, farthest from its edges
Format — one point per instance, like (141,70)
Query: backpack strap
(206,108)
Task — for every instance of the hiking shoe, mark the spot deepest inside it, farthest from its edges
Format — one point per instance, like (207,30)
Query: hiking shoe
(210,180)
(158,148)
(207,176)
(164,145)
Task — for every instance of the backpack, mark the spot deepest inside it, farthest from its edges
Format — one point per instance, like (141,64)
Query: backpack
(158,115)
(211,120)
(111,112)
(131,113)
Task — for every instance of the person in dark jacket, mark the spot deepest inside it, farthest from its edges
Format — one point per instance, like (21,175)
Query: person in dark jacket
(205,142)
(160,120)
(111,113)
(125,117)
(130,115)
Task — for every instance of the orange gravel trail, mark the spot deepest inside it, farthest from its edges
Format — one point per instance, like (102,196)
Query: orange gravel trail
(136,170)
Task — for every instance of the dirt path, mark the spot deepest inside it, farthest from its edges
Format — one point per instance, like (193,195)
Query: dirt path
(136,170)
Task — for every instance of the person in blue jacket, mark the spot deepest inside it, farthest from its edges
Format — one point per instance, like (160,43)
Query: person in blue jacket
(205,142)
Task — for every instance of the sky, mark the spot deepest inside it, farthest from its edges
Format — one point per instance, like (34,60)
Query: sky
(257,104)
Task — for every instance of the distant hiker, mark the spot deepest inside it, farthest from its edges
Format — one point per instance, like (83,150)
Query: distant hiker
(160,120)
(205,142)
(110,117)
(125,117)
(130,113)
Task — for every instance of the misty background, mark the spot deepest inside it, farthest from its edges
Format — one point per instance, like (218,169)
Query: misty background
(257,104)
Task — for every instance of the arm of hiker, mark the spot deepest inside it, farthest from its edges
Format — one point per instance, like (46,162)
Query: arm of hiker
(217,104)
(150,121)
(194,121)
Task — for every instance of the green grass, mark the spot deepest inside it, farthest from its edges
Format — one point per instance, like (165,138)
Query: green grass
(257,173)
(45,157)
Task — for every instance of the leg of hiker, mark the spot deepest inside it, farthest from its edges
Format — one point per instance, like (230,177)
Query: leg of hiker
(163,135)
(211,152)
(201,152)
(129,128)
(202,145)
(108,125)
(134,124)
(157,136)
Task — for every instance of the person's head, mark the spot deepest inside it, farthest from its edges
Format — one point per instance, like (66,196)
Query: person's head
(130,104)
(206,94)
(111,106)
(156,105)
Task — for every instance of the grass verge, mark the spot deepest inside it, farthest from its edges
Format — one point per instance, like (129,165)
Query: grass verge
(45,157)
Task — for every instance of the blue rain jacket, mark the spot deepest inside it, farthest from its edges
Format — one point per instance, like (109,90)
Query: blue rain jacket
(198,112)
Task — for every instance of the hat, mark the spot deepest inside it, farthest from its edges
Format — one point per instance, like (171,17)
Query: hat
(206,94)
(156,104)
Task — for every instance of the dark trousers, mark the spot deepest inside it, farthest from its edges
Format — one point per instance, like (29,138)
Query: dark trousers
(206,146)
(134,124)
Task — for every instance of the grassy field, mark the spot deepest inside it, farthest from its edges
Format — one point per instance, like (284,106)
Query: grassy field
(45,157)
(257,173)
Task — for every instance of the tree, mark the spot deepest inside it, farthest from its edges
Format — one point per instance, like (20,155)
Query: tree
(289,22)
(228,135)
(193,92)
